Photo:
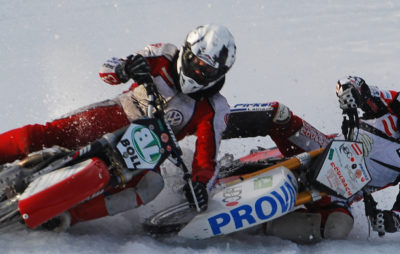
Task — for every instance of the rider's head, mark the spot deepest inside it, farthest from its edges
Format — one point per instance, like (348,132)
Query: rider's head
(208,53)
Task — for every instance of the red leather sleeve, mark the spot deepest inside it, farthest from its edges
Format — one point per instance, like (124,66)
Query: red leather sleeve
(203,166)
(70,132)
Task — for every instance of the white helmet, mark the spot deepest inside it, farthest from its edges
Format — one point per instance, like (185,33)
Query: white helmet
(208,53)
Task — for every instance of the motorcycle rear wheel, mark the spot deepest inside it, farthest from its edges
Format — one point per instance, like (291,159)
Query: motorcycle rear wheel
(9,213)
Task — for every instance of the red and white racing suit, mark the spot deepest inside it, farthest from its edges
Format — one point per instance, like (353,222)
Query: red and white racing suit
(203,117)
(293,135)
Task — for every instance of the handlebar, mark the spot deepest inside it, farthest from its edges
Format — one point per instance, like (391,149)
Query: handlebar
(156,108)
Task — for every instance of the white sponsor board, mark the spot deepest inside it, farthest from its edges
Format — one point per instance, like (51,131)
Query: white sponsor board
(246,204)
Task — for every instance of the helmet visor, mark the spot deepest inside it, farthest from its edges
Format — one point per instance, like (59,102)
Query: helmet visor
(197,69)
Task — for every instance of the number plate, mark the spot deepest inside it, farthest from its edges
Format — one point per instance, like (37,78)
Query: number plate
(344,170)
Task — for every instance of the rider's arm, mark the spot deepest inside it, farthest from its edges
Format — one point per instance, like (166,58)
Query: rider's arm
(385,100)
(73,130)
(208,124)
(150,60)
(207,144)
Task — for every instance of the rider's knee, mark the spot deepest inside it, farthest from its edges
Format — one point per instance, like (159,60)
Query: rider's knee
(149,186)
(282,114)
(299,227)
(327,218)
(338,225)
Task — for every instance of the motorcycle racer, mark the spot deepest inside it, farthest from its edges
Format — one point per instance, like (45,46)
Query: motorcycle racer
(189,80)
(378,131)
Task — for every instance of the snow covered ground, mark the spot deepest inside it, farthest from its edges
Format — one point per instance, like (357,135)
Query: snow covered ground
(291,51)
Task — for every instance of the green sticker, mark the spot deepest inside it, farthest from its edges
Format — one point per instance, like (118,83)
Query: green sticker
(263,182)
(147,144)
(331,151)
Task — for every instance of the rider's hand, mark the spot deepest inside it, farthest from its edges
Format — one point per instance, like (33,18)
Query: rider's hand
(354,93)
(347,98)
(200,190)
(136,68)
(387,221)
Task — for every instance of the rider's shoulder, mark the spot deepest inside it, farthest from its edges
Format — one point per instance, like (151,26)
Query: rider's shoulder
(168,50)
(219,102)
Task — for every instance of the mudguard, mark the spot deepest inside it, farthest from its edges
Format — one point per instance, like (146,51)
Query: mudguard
(58,191)
(246,204)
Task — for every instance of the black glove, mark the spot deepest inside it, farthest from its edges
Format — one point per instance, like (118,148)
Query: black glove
(200,190)
(347,97)
(387,221)
(136,68)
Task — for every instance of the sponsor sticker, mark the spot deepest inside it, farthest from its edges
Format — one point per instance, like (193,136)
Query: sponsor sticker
(252,107)
(147,144)
(263,182)
(364,172)
(140,147)
(231,196)
(331,152)
(341,178)
(264,208)
(174,117)
(344,149)
(356,148)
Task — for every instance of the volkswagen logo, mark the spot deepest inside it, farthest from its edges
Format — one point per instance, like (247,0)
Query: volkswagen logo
(174,117)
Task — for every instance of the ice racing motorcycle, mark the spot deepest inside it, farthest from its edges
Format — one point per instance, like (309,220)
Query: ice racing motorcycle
(250,191)
(265,185)
(52,181)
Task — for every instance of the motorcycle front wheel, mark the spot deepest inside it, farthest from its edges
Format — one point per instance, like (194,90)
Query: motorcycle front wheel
(170,220)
